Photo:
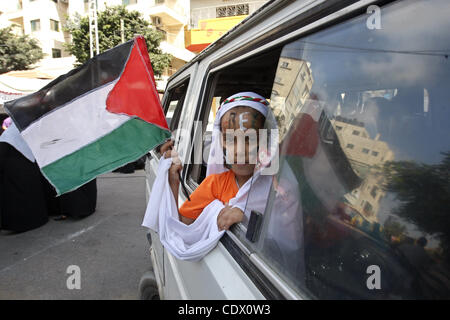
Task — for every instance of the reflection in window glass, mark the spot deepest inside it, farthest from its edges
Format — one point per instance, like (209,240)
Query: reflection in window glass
(383,90)
(174,103)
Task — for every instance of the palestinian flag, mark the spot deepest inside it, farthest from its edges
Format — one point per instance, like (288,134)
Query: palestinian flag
(94,119)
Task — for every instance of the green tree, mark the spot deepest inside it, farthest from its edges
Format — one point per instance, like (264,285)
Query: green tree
(17,52)
(109,34)
(394,228)
(424,194)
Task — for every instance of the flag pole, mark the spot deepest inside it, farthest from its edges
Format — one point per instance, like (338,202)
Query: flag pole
(93,27)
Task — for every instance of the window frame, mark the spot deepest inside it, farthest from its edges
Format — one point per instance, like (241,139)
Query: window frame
(56,50)
(37,25)
(54,23)
(165,103)
(179,107)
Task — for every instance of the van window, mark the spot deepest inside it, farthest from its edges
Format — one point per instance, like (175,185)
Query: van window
(359,206)
(254,74)
(174,103)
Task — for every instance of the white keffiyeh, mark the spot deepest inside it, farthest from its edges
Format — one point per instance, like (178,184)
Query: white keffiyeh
(185,242)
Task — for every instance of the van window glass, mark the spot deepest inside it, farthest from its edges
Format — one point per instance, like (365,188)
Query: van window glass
(206,124)
(359,208)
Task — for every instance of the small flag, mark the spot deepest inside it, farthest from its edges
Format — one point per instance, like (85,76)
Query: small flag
(94,119)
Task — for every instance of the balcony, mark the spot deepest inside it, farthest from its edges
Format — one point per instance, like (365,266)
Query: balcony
(171,13)
(209,31)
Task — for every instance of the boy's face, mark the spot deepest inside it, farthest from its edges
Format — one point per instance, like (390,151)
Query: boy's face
(240,133)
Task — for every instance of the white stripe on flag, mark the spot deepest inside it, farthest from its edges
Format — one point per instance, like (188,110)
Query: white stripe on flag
(72,127)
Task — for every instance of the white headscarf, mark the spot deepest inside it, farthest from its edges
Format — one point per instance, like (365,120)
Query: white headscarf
(255,101)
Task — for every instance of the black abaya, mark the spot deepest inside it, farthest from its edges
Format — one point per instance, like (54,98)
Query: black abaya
(22,201)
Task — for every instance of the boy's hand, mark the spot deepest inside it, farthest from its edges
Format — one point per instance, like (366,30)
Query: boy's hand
(175,168)
(229,216)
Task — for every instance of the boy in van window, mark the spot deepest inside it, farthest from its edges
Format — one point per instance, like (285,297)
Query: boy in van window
(242,111)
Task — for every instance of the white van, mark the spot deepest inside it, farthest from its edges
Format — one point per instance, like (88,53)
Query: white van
(361,94)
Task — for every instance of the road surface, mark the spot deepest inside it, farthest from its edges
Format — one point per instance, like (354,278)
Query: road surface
(109,247)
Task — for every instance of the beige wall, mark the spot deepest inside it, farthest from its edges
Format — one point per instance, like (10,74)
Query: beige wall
(206,9)
(44,10)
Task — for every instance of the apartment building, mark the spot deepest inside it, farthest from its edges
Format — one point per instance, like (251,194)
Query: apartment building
(169,17)
(185,24)
(210,19)
(44,20)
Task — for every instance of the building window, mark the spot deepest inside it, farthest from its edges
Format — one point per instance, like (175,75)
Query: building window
(338,128)
(278,81)
(368,208)
(54,25)
(156,21)
(350,146)
(163,33)
(285,64)
(56,53)
(242,9)
(221,12)
(127,2)
(366,151)
(35,25)
(373,192)
(355,132)
(375,153)
(231,11)
(305,92)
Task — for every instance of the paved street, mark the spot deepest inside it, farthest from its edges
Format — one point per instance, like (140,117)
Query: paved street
(110,247)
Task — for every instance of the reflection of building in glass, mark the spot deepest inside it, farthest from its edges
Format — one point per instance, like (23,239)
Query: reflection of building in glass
(366,156)
(291,87)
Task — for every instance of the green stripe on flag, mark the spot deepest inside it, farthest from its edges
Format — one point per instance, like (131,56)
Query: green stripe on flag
(125,144)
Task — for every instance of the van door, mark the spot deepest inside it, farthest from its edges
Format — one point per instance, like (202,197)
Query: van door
(173,102)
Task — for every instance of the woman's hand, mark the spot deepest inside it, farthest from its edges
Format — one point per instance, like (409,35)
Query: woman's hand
(168,151)
(229,216)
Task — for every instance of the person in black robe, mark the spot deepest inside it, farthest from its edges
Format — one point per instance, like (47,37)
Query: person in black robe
(79,203)
(23,204)
(27,199)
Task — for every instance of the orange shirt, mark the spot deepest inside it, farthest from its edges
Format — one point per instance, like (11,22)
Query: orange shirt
(221,186)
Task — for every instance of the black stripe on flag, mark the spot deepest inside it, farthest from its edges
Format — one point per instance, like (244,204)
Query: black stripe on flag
(96,72)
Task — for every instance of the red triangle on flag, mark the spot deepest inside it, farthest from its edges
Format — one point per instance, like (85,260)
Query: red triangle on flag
(135,93)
